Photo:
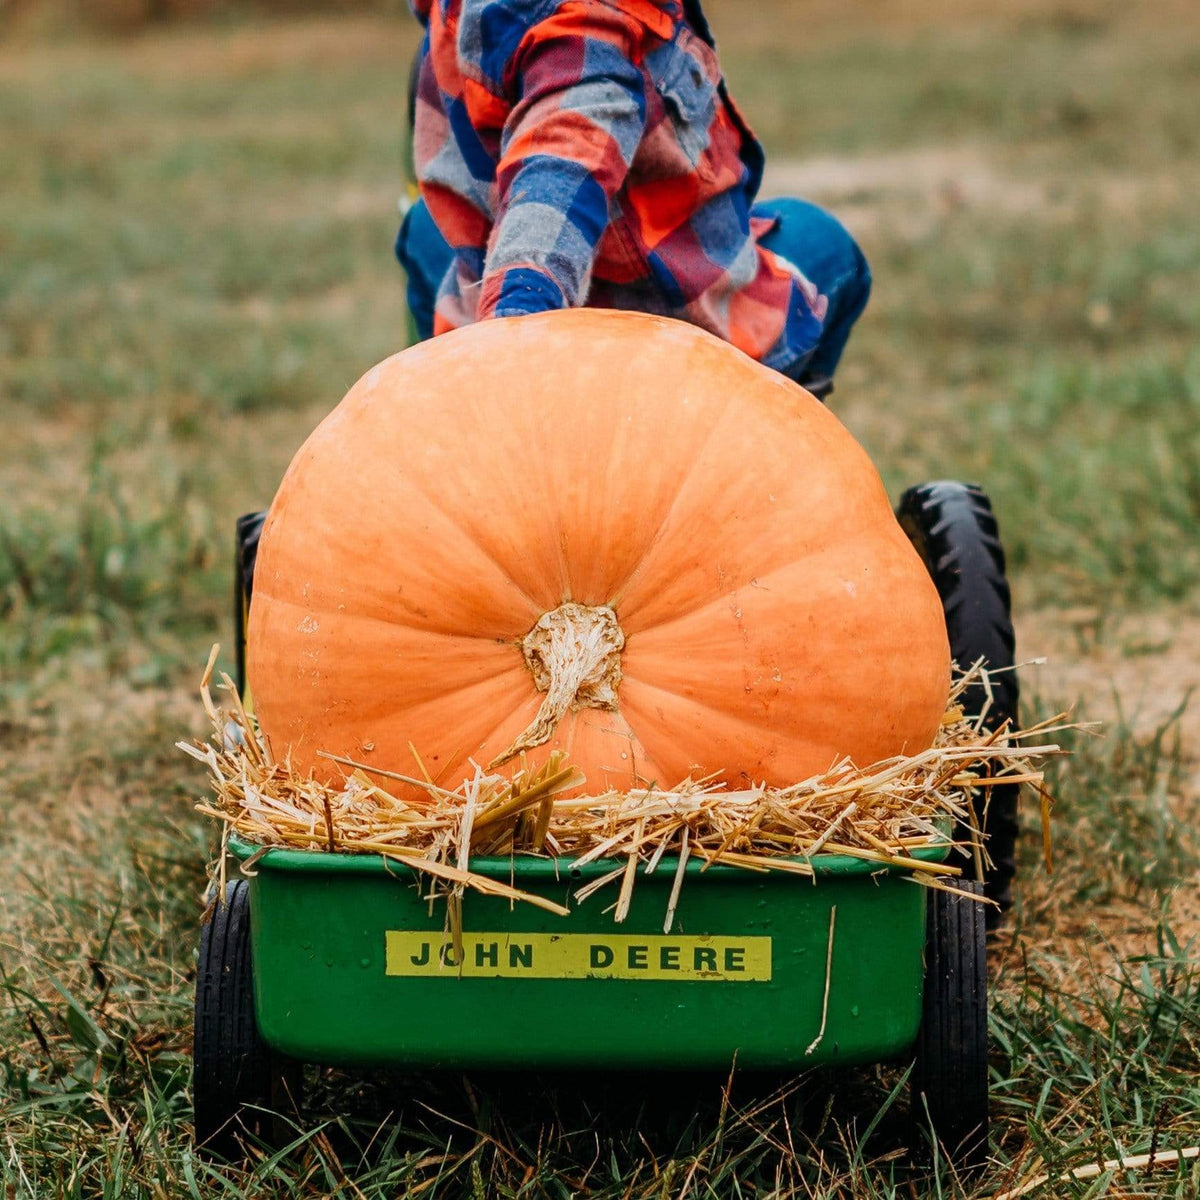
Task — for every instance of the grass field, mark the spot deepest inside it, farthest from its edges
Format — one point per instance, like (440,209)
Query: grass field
(195,231)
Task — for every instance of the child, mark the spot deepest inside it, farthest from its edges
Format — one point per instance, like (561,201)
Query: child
(575,152)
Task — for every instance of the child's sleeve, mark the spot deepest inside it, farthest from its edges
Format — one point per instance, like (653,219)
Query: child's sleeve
(566,150)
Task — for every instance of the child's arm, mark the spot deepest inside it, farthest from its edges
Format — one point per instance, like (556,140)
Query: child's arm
(566,151)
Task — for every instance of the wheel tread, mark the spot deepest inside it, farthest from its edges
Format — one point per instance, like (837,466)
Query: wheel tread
(954,529)
(231,1065)
(950,1072)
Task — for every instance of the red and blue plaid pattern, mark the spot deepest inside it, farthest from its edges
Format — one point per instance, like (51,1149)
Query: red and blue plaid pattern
(586,152)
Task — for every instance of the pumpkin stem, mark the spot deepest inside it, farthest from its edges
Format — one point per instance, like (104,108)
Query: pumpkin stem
(574,655)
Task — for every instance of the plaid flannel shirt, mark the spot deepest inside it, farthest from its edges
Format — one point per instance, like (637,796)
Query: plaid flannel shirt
(587,152)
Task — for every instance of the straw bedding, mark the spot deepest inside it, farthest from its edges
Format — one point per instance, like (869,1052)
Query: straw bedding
(883,813)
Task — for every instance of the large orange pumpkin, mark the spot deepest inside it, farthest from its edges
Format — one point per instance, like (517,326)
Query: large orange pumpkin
(689,552)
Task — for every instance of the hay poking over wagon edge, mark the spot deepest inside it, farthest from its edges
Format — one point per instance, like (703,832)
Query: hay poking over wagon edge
(884,813)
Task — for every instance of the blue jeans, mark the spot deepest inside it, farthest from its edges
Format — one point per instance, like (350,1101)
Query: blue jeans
(804,234)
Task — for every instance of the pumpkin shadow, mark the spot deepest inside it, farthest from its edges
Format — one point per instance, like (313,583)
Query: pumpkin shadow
(574,1117)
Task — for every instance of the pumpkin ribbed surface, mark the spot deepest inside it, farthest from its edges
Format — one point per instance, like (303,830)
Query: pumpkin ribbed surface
(701,543)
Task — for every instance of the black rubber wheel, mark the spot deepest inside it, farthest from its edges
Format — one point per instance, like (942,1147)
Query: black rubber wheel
(954,530)
(249,528)
(237,1081)
(949,1083)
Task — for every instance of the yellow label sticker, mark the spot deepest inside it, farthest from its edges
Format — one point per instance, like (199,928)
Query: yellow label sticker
(580,956)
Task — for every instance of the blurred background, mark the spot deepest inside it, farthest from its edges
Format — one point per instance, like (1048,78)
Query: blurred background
(197,208)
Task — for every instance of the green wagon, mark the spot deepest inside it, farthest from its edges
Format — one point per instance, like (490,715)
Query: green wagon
(340,960)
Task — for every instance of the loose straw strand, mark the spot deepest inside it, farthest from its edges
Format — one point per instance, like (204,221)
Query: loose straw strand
(828,976)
